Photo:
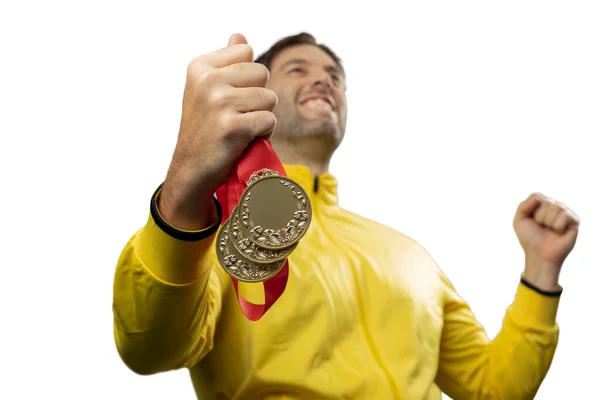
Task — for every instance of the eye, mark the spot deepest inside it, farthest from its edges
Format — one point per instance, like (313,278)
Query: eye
(337,80)
(297,70)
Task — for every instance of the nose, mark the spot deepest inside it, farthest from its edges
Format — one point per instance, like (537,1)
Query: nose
(323,79)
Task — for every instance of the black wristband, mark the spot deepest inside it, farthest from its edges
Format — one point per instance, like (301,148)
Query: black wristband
(188,236)
(540,291)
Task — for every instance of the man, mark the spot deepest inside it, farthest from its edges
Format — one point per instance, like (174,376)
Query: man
(367,314)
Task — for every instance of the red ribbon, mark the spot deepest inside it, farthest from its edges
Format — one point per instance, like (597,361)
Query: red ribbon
(258,155)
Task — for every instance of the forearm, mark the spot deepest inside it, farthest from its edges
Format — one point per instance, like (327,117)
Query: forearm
(162,290)
(513,364)
(154,319)
(522,352)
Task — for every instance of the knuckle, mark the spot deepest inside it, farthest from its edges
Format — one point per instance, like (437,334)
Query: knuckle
(207,77)
(256,124)
(270,119)
(229,125)
(195,65)
(267,97)
(260,93)
(254,94)
(263,71)
(219,98)
(192,65)
(272,98)
(246,51)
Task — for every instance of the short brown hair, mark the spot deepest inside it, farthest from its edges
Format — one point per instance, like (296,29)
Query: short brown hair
(302,38)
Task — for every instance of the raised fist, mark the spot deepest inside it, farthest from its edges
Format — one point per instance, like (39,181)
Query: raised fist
(226,105)
(547,230)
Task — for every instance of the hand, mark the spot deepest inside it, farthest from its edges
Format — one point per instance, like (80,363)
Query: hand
(225,107)
(547,230)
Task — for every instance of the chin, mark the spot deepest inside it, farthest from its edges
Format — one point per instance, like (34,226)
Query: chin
(303,126)
(321,128)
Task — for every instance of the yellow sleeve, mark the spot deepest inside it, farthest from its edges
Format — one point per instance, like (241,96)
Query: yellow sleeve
(160,325)
(514,364)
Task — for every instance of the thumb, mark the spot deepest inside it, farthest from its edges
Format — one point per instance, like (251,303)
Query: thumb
(237,38)
(528,207)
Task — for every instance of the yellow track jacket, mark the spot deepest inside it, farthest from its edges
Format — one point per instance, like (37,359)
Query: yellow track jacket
(367,314)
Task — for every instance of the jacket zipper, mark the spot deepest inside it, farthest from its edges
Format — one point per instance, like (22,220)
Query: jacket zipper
(370,341)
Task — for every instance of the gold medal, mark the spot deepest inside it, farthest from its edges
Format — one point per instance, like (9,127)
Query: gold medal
(274,212)
(238,266)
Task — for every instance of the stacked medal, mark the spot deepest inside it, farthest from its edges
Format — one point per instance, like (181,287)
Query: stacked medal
(264,228)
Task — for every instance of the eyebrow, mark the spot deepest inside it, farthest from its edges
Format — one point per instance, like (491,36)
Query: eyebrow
(294,61)
(329,68)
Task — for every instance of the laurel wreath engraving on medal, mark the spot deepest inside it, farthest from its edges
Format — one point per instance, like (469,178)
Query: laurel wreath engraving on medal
(240,268)
(261,174)
(294,228)
(250,250)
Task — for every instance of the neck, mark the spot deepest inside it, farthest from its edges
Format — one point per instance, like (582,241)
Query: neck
(311,152)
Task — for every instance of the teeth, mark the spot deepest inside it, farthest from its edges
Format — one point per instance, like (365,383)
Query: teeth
(319,104)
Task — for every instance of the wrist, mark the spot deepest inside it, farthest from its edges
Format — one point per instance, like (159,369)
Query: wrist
(186,211)
(542,276)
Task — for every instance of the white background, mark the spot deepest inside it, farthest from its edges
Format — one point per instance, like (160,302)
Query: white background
(457,111)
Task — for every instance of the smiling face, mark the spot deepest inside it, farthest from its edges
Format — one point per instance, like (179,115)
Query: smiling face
(312,95)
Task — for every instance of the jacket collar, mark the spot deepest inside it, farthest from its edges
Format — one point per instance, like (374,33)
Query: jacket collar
(321,189)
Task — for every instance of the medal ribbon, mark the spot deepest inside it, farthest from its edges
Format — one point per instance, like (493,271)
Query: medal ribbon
(257,156)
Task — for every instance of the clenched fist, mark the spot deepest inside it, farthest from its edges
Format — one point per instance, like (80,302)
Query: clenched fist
(226,105)
(547,231)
